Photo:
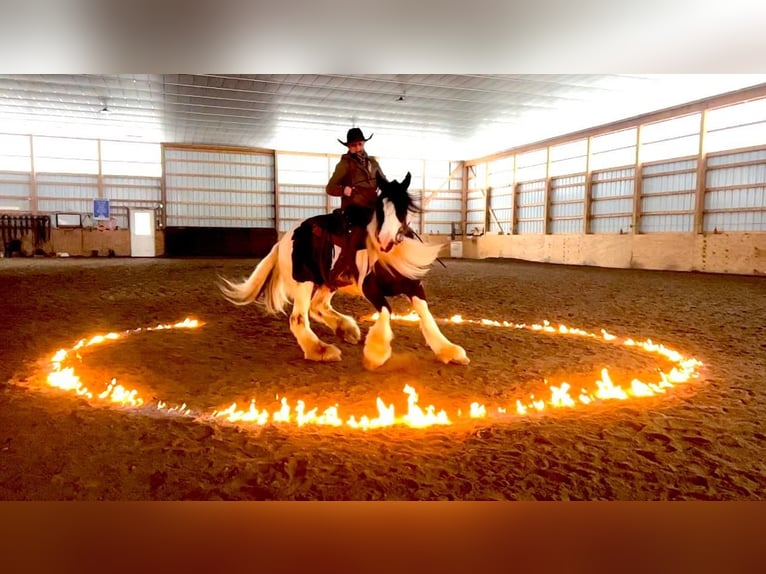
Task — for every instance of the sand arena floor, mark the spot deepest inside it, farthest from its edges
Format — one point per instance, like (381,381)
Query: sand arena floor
(704,440)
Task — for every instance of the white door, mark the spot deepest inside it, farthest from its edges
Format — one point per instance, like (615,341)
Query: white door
(142,233)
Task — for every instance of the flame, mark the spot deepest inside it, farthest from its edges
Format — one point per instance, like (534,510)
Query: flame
(386,415)
(477,411)
(607,389)
(683,370)
(119,394)
(66,379)
(560,396)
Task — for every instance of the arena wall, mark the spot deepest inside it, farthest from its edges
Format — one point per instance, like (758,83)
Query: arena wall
(737,253)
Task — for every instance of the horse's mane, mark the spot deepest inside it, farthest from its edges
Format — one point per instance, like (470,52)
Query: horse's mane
(397,194)
(411,258)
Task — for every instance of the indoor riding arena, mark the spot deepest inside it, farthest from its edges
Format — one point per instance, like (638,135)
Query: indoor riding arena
(605,281)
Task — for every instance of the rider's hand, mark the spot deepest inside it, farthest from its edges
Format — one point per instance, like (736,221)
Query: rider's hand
(347,191)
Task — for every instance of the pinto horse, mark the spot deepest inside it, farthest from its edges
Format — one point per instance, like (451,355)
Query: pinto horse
(393,263)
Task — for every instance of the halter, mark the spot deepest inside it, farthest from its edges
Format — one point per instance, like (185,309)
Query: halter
(401,234)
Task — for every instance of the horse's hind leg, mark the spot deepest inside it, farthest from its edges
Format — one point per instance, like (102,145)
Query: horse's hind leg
(445,350)
(313,348)
(322,311)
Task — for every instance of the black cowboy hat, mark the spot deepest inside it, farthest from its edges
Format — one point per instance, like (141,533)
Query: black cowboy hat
(355,135)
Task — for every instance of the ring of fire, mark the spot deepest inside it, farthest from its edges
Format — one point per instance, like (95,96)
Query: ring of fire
(685,369)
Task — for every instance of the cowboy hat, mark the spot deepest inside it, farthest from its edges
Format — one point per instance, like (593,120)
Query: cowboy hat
(355,135)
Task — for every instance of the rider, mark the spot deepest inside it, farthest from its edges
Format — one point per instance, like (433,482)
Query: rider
(354,181)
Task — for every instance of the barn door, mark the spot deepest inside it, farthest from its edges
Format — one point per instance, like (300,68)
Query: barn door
(142,233)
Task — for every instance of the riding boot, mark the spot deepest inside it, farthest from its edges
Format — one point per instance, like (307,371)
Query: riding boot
(344,272)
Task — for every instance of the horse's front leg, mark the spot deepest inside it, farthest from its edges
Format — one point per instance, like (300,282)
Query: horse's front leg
(321,310)
(313,348)
(443,348)
(377,344)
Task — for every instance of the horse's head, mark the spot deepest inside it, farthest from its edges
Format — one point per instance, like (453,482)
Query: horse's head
(392,211)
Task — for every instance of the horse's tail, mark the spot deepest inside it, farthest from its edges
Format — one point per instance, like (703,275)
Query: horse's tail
(264,283)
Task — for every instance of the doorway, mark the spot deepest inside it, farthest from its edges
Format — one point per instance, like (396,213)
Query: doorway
(142,233)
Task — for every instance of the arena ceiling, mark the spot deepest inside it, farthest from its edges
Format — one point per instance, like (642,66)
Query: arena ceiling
(454,116)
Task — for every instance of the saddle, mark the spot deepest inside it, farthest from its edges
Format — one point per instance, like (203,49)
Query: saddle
(331,227)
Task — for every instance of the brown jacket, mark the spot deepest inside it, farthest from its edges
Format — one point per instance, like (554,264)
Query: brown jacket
(351,172)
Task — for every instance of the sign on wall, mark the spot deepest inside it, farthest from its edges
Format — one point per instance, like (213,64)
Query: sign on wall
(101,209)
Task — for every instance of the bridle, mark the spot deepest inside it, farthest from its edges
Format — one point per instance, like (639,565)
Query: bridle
(402,232)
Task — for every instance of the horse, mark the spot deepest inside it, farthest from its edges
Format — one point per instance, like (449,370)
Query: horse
(393,263)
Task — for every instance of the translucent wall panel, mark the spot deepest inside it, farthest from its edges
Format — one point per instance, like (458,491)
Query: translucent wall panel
(131,158)
(501,181)
(501,210)
(667,222)
(131,193)
(569,158)
(302,180)
(500,172)
(456,175)
(66,193)
(396,169)
(65,155)
(567,206)
(443,196)
(755,157)
(15,153)
(744,221)
(531,165)
(679,147)
(668,196)
(299,202)
(735,195)
(732,138)
(673,138)
(529,227)
(15,190)
(670,129)
(738,126)
(737,115)
(530,207)
(437,175)
(304,169)
(476,199)
(611,209)
(613,149)
(475,211)
(219,188)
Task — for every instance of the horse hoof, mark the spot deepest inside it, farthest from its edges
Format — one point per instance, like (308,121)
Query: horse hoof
(349,335)
(372,361)
(352,338)
(455,354)
(325,354)
(372,364)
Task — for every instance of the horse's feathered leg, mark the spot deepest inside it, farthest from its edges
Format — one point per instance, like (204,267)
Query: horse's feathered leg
(322,311)
(313,348)
(445,350)
(377,344)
